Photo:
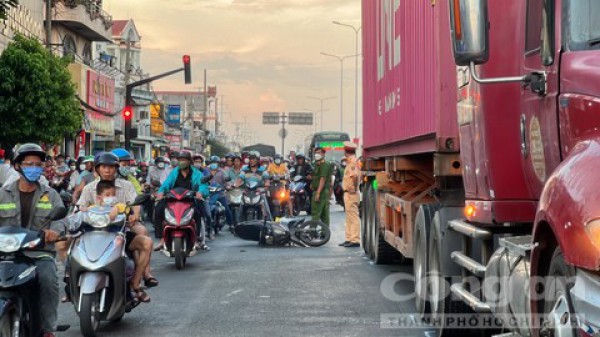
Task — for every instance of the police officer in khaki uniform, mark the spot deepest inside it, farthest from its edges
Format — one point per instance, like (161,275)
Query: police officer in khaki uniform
(351,197)
(27,203)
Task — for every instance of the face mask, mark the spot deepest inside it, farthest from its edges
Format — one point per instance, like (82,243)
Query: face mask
(343,164)
(124,171)
(198,165)
(73,168)
(318,156)
(133,169)
(174,163)
(184,165)
(246,161)
(109,201)
(82,167)
(214,166)
(277,161)
(33,173)
(161,165)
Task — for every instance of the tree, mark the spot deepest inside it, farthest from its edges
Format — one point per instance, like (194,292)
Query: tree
(217,148)
(37,96)
(5,6)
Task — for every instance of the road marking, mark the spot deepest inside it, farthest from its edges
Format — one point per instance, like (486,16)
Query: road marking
(234,292)
(264,296)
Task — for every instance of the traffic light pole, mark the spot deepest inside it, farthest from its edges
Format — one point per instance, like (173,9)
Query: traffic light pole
(129,100)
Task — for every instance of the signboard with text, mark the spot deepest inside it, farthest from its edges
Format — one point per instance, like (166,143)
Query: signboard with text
(301,118)
(157,125)
(174,114)
(271,118)
(100,92)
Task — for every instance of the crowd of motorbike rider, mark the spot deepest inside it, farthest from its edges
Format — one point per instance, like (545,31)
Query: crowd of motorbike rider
(34,183)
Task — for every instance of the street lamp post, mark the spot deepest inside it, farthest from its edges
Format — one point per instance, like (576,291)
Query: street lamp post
(356,31)
(321,100)
(341,59)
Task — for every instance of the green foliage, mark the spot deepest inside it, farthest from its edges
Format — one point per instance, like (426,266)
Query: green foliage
(37,95)
(5,6)
(217,148)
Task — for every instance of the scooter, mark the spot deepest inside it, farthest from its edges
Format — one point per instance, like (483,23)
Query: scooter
(234,197)
(217,210)
(299,195)
(278,196)
(289,231)
(99,269)
(179,227)
(19,295)
(252,205)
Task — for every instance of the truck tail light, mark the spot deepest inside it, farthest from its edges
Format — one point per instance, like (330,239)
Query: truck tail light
(470,211)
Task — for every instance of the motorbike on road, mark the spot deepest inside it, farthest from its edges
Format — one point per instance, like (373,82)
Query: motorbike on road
(234,198)
(278,196)
(299,195)
(289,231)
(252,201)
(19,294)
(99,268)
(179,227)
(217,210)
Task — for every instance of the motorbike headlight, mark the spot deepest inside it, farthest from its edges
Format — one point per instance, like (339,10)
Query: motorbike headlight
(301,191)
(98,220)
(11,243)
(247,199)
(187,217)
(170,217)
(256,199)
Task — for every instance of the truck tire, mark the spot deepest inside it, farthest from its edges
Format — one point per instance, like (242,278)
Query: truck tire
(421,236)
(381,251)
(364,219)
(558,304)
(441,302)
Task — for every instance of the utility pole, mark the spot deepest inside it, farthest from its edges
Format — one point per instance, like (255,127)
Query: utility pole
(48,24)
(128,100)
(205,103)
(283,132)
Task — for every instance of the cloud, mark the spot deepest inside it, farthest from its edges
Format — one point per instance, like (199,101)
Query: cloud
(264,55)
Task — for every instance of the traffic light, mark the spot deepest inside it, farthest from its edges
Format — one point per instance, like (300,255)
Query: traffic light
(187,69)
(127,113)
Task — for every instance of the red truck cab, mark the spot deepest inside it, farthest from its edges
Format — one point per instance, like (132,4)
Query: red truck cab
(529,125)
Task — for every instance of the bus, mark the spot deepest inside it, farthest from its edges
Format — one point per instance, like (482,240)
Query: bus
(331,141)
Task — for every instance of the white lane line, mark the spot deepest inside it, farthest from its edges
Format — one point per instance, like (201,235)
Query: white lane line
(234,292)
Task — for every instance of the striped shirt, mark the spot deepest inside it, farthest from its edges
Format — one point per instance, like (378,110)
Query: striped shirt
(125,193)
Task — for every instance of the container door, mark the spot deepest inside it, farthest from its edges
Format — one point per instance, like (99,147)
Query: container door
(539,115)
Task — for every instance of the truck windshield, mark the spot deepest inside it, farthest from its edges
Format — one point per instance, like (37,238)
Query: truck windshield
(584,25)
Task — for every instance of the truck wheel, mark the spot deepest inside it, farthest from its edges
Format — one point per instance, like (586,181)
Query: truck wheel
(365,224)
(440,298)
(558,306)
(421,257)
(381,251)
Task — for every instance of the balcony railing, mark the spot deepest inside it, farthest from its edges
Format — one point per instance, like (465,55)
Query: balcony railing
(93,8)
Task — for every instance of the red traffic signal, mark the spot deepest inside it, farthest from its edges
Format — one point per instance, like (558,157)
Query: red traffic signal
(187,69)
(127,113)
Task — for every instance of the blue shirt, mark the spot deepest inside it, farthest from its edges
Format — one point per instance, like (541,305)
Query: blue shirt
(197,184)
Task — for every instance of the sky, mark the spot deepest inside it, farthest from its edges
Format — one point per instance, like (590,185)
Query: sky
(263,55)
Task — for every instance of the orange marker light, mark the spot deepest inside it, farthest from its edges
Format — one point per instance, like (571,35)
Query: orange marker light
(469,211)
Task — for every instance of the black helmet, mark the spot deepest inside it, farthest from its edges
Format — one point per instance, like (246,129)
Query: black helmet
(300,155)
(236,155)
(184,155)
(29,149)
(161,159)
(254,154)
(106,158)
(229,155)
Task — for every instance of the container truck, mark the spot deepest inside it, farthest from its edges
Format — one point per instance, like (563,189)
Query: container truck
(481,155)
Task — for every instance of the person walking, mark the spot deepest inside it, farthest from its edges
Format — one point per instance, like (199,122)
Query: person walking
(351,197)
(321,186)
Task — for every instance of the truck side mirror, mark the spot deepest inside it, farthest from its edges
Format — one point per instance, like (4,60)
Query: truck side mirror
(470,31)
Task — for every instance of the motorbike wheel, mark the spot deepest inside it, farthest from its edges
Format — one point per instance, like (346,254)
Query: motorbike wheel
(296,207)
(6,325)
(89,317)
(158,231)
(314,233)
(179,253)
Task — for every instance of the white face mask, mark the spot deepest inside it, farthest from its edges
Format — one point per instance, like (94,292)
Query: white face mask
(161,165)
(277,161)
(73,168)
(82,167)
(318,156)
(109,201)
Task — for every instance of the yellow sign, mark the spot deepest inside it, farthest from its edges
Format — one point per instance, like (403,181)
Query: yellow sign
(157,125)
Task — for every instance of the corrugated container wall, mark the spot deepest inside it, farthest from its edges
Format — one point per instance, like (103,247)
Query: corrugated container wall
(409,78)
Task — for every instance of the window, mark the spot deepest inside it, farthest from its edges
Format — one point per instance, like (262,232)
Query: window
(69,46)
(583,24)
(87,54)
(533,36)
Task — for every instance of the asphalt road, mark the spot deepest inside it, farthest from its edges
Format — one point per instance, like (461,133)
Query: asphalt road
(241,289)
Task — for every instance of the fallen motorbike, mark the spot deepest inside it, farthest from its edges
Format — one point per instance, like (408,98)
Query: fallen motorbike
(252,204)
(19,295)
(299,195)
(288,231)
(278,196)
(179,227)
(99,269)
